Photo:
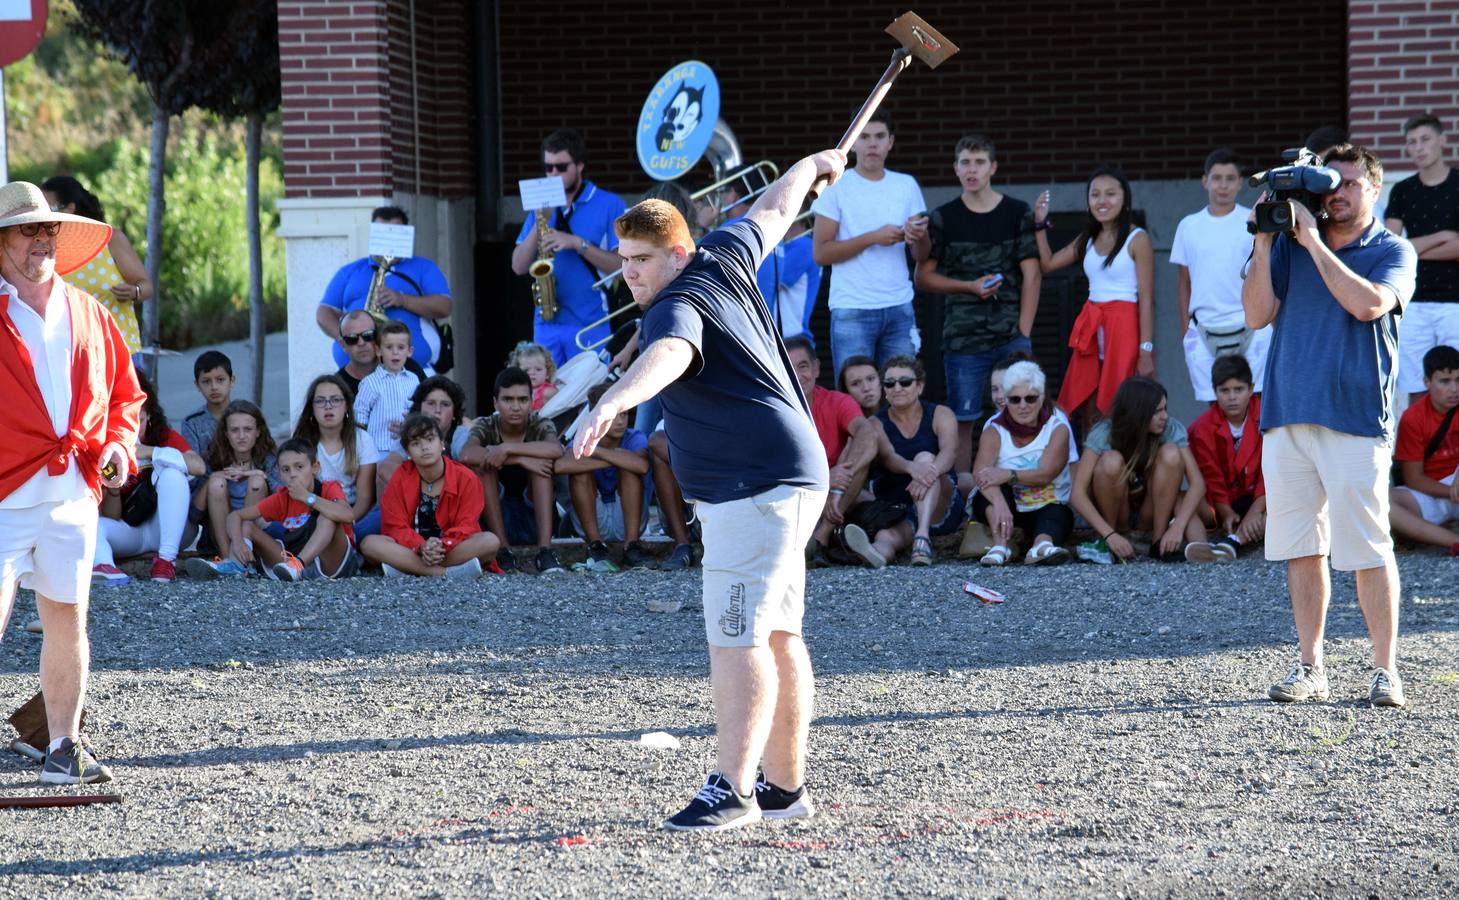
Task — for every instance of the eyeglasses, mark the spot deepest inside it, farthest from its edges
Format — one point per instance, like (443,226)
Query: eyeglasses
(890,383)
(352,339)
(1014,400)
(556,167)
(31,229)
(327,402)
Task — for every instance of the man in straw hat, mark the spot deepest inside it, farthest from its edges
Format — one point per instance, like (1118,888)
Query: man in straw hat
(755,468)
(69,403)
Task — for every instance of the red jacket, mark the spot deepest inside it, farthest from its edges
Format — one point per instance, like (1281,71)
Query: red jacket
(1230,473)
(106,400)
(458,510)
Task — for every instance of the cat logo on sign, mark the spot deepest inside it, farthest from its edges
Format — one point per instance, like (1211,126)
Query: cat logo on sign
(677,120)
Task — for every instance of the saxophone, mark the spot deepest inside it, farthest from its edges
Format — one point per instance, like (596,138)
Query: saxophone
(372,297)
(544,285)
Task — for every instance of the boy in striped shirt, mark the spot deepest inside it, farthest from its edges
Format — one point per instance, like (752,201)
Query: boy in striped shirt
(385,393)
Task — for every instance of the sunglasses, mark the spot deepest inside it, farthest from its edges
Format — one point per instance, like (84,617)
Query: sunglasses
(557,167)
(1015,400)
(890,383)
(352,339)
(31,229)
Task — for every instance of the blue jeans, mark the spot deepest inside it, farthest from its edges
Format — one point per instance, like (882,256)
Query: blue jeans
(877,333)
(967,376)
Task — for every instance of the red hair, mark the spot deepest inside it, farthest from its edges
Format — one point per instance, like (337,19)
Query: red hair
(657,222)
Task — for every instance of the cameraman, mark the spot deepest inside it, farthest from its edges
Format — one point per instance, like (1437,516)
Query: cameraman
(1334,293)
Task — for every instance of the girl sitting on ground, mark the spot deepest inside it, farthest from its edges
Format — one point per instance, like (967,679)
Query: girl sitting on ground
(165,462)
(1129,476)
(862,380)
(345,452)
(536,361)
(431,512)
(1021,472)
(244,469)
(915,454)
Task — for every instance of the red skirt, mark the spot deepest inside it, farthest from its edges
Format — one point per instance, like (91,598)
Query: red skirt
(1087,374)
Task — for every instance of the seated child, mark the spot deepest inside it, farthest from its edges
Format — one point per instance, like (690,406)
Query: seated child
(1129,476)
(315,519)
(1226,442)
(1427,453)
(430,514)
(536,361)
(385,393)
(607,491)
(243,470)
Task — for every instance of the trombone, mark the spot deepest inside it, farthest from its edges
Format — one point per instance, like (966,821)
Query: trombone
(766,172)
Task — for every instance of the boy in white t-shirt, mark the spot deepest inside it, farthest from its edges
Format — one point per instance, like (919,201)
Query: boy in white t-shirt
(865,223)
(1209,252)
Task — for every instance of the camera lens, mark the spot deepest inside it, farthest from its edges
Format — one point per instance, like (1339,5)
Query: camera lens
(1281,215)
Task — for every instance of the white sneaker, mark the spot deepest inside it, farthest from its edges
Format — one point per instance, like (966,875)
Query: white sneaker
(469,569)
(390,571)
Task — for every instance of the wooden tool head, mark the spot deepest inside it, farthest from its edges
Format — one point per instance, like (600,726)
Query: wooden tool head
(921,40)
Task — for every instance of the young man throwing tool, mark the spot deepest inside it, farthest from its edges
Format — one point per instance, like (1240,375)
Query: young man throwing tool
(755,468)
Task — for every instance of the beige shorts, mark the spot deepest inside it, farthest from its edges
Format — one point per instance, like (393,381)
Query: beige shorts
(49,548)
(754,564)
(1327,494)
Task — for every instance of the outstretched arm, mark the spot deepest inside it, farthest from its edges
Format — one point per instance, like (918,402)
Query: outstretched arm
(781,202)
(665,360)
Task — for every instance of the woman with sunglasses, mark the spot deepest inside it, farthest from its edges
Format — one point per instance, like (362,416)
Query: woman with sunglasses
(115,275)
(915,456)
(1021,473)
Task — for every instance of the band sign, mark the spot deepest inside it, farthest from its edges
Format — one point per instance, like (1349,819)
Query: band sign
(677,120)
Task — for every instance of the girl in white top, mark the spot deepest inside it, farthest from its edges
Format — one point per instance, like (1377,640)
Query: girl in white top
(346,453)
(1021,474)
(1113,336)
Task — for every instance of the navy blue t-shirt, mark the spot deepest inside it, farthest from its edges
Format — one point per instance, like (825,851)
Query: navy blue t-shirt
(737,422)
(1326,367)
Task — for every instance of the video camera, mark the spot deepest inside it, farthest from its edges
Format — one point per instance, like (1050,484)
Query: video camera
(1304,180)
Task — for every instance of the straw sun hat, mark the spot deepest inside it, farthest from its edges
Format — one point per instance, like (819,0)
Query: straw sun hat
(78,240)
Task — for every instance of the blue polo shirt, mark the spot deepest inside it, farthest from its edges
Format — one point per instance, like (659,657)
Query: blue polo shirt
(1325,367)
(413,275)
(590,217)
(737,422)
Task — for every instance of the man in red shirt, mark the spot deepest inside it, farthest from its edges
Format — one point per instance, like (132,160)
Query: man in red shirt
(71,406)
(849,439)
(1428,454)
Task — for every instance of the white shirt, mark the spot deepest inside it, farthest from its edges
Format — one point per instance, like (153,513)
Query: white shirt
(48,340)
(1214,249)
(877,277)
(331,465)
(1119,281)
(384,398)
(1026,458)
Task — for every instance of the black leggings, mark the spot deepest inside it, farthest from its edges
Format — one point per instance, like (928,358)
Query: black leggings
(1054,519)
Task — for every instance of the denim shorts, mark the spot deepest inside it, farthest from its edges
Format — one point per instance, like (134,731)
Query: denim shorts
(967,376)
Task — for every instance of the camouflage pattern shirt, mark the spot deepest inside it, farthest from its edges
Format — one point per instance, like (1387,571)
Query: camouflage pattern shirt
(969,246)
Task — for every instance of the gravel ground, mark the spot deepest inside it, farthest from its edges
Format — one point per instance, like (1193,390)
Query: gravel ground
(1104,732)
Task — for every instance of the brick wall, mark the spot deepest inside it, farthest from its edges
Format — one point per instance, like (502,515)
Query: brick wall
(349,111)
(1058,84)
(1404,60)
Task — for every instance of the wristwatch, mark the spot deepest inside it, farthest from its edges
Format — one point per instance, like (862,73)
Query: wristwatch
(1147,347)
(309,500)
(582,245)
(1045,225)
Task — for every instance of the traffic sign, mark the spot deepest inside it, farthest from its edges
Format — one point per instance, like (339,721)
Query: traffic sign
(22,25)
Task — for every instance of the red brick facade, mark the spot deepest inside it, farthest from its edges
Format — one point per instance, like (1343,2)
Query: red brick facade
(350,119)
(1059,86)
(1403,61)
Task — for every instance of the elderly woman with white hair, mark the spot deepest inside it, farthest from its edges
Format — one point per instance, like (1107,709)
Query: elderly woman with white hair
(1021,473)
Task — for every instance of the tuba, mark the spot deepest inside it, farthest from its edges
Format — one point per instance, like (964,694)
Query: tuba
(544,284)
(372,297)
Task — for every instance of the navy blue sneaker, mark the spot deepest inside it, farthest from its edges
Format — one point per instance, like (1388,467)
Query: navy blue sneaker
(716,808)
(778,803)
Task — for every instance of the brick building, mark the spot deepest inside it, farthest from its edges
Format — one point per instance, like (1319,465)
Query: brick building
(439,105)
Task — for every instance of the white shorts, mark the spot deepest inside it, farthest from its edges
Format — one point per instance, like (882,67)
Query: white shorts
(754,564)
(1425,326)
(1327,494)
(1198,361)
(48,548)
(1435,510)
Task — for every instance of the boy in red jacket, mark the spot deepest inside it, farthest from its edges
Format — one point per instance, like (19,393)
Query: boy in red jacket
(1427,453)
(430,514)
(1226,442)
(316,520)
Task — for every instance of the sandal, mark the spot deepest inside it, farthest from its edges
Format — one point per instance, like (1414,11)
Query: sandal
(997,555)
(1045,553)
(921,551)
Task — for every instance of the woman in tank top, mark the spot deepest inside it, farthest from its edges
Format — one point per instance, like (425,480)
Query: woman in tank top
(1113,336)
(1021,474)
(915,455)
(115,276)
